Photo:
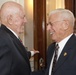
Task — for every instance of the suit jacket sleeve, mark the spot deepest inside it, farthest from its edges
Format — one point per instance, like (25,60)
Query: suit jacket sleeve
(29,54)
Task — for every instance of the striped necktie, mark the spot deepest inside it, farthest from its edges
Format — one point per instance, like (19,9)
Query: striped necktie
(55,57)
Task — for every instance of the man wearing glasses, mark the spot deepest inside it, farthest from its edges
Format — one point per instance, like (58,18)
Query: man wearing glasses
(61,59)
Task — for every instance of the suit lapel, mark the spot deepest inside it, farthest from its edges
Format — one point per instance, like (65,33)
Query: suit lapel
(62,58)
(21,49)
(66,52)
(17,43)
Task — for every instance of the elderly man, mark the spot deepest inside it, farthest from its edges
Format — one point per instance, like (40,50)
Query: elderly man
(61,55)
(62,61)
(14,58)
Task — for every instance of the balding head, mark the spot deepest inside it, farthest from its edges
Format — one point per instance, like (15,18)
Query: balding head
(13,16)
(9,8)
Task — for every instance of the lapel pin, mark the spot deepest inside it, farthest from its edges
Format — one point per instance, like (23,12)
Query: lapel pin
(65,54)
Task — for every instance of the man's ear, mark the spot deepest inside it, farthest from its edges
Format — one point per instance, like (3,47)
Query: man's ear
(9,19)
(65,24)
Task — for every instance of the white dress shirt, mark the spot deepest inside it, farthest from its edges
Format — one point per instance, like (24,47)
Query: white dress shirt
(61,46)
(32,52)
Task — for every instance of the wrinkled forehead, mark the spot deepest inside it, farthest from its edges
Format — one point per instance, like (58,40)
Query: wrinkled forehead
(55,16)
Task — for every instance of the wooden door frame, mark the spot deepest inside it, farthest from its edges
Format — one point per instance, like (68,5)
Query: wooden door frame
(40,31)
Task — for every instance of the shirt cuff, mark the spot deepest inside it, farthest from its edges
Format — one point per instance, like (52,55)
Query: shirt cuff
(32,53)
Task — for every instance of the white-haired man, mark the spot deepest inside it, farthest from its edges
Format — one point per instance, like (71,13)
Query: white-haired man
(61,60)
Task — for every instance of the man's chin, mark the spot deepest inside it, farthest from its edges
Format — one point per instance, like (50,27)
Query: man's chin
(53,38)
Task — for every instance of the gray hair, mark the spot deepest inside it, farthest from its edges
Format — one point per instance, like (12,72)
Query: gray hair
(64,14)
(8,8)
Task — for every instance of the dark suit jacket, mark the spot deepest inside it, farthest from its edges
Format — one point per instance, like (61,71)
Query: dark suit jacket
(66,64)
(14,58)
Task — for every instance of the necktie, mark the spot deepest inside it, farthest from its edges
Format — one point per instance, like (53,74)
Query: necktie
(20,40)
(55,57)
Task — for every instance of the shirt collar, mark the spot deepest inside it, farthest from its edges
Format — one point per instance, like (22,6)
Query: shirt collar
(13,32)
(63,42)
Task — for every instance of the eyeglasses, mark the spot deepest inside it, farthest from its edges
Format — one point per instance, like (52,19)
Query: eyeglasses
(52,23)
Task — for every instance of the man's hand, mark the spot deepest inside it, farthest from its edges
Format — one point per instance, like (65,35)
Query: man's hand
(33,52)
